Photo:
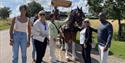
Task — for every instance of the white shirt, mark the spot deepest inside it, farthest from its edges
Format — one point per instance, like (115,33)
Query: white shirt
(82,36)
(39,32)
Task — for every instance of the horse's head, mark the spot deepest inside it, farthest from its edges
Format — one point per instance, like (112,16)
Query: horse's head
(77,16)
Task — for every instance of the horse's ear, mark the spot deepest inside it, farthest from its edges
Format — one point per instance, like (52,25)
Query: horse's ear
(81,8)
(77,7)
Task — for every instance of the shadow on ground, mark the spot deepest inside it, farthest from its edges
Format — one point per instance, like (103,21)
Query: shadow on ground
(79,54)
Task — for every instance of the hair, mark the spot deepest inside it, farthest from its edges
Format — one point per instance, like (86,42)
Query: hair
(102,14)
(25,7)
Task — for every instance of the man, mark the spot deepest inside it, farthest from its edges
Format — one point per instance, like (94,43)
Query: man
(105,32)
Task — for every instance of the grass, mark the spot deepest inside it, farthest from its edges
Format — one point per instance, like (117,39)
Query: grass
(117,47)
(4,24)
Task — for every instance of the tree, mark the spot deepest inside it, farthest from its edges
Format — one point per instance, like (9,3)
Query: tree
(95,6)
(34,8)
(5,12)
(115,9)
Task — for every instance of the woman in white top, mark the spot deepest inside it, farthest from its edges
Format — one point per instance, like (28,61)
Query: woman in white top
(19,30)
(86,40)
(40,36)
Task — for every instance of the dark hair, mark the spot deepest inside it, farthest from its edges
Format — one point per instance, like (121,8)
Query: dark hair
(25,7)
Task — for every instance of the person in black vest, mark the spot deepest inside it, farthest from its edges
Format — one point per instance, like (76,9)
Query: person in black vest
(86,40)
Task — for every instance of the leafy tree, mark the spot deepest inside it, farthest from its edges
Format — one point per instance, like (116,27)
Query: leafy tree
(5,12)
(34,8)
(95,6)
(115,9)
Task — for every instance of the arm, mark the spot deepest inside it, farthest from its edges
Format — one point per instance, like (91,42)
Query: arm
(29,32)
(11,31)
(110,33)
(95,30)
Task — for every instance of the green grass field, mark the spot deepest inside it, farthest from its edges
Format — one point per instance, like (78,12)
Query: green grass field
(5,24)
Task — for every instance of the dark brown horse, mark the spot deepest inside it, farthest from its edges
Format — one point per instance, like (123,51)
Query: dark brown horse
(70,29)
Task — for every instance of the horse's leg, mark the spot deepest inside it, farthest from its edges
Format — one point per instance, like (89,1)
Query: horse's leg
(62,45)
(73,51)
(66,50)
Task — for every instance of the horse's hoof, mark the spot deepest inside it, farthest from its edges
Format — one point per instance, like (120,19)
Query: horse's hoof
(75,59)
(68,60)
(63,49)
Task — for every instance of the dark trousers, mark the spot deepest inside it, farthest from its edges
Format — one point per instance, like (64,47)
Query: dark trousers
(86,53)
(40,50)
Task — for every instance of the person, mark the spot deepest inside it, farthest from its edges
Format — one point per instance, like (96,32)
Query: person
(53,32)
(86,40)
(33,19)
(40,36)
(105,32)
(18,34)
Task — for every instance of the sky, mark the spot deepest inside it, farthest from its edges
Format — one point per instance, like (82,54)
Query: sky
(14,5)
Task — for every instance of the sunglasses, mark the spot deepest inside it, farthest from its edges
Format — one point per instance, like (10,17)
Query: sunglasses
(42,14)
(86,22)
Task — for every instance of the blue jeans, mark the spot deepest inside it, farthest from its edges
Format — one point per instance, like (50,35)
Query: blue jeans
(20,39)
(33,51)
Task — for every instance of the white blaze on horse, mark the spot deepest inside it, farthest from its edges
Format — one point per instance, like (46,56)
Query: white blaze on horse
(70,29)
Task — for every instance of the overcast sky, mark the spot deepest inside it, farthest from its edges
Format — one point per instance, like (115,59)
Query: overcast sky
(14,5)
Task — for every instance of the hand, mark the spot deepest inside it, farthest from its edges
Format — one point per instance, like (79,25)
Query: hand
(105,49)
(84,45)
(11,42)
(28,44)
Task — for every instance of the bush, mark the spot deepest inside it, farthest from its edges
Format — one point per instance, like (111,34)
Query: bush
(119,38)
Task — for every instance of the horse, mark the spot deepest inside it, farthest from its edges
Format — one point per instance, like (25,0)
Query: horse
(70,29)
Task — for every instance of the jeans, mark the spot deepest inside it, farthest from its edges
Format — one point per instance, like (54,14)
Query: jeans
(20,39)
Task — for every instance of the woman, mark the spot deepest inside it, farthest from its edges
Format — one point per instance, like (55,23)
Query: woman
(18,34)
(33,19)
(86,40)
(40,36)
